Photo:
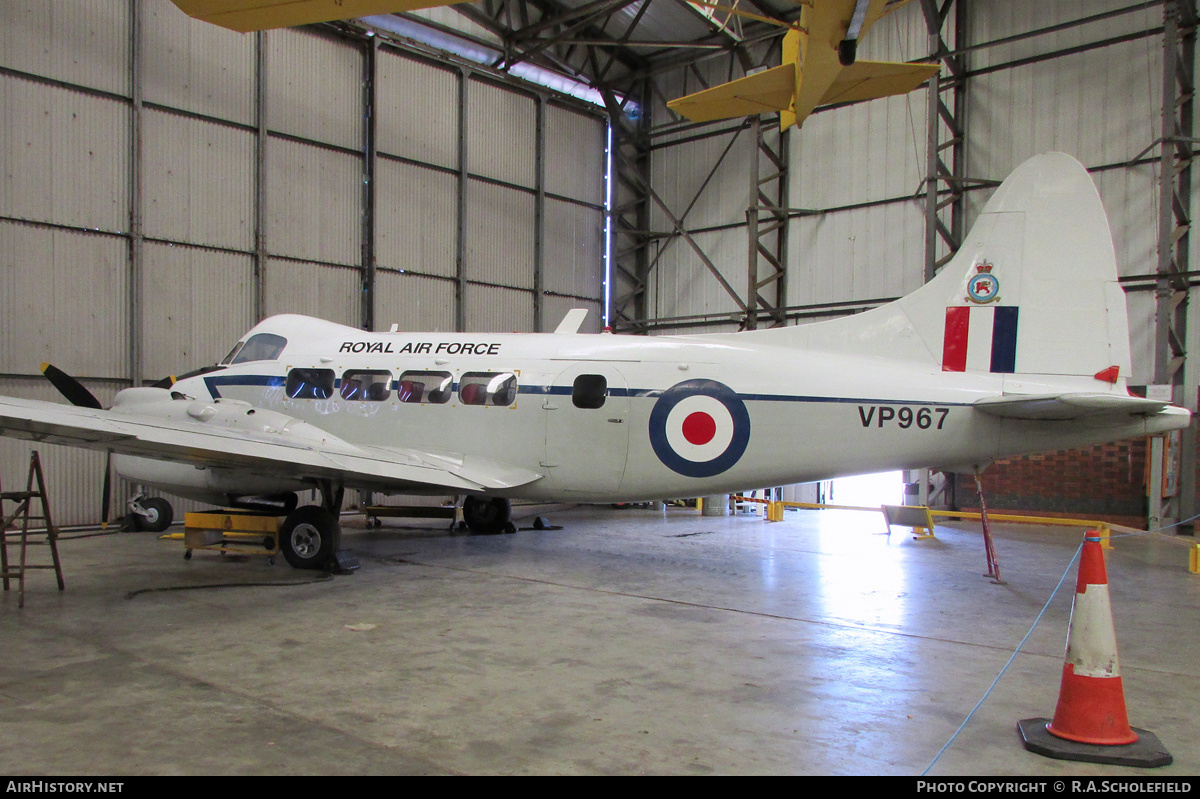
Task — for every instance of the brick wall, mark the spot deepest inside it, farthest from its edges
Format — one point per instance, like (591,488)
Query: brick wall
(1104,482)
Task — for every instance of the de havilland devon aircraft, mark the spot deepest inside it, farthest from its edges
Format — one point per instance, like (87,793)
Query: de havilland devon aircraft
(1020,344)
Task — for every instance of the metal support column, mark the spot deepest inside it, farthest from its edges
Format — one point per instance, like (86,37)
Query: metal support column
(766,223)
(460,255)
(1174,229)
(136,237)
(631,202)
(370,103)
(539,219)
(260,176)
(945,172)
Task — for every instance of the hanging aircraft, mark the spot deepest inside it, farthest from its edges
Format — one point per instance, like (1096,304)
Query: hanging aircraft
(819,67)
(256,15)
(1019,345)
(819,61)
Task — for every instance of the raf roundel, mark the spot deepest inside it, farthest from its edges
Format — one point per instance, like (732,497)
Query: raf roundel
(699,428)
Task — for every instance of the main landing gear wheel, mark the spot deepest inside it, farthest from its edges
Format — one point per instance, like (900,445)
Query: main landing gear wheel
(153,515)
(309,537)
(488,516)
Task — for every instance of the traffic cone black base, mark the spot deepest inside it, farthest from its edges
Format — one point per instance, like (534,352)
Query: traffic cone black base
(1146,752)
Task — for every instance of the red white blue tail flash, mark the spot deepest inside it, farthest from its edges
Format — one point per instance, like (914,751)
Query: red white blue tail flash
(980,338)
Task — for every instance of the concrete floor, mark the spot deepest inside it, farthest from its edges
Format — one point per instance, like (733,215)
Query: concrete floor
(628,642)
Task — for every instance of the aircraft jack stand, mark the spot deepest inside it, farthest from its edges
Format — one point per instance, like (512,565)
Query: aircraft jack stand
(989,547)
(918,517)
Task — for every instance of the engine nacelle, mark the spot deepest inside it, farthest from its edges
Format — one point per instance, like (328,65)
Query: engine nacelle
(199,481)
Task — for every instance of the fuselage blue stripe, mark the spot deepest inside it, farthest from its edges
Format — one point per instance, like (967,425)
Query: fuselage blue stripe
(215,383)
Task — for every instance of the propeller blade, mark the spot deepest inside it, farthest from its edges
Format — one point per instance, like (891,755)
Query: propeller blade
(69,387)
(166,382)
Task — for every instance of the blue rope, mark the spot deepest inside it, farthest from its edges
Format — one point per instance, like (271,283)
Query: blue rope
(1021,645)
(1013,657)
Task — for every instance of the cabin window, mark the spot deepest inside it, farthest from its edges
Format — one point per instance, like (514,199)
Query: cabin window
(360,385)
(259,347)
(589,391)
(309,383)
(425,387)
(488,388)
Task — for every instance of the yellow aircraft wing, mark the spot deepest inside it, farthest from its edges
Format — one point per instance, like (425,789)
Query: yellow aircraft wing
(867,80)
(257,15)
(760,93)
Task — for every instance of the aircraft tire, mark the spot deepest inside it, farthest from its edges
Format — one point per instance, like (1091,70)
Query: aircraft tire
(309,537)
(159,515)
(486,516)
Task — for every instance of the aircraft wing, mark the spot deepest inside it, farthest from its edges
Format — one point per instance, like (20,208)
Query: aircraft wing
(296,450)
(256,15)
(760,93)
(1069,407)
(867,80)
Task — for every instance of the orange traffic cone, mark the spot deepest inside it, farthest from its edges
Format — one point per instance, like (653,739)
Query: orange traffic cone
(1090,722)
(1091,699)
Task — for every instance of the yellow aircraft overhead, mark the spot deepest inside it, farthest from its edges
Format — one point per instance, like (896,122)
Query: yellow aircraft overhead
(819,68)
(257,15)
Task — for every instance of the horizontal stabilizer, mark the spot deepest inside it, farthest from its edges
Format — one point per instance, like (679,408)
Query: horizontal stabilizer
(760,93)
(1068,407)
(257,15)
(868,80)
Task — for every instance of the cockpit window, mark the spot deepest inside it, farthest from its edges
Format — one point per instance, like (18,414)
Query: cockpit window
(259,347)
(229,358)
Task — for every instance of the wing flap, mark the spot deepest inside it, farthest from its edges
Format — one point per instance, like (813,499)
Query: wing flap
(374,467)
(1068,407)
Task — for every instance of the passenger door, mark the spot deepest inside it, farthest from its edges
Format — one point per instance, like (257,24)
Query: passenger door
(587,430)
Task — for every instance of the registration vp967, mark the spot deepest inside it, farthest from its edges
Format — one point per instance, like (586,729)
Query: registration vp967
(905,417)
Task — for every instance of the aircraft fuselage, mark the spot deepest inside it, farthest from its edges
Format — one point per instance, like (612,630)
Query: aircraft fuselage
(607,418)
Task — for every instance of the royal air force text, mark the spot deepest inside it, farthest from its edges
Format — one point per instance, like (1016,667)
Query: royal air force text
(420,348)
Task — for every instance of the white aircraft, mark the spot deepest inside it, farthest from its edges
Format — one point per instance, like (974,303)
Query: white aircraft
(1019,345)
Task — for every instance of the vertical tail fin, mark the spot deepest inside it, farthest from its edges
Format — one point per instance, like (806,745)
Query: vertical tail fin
(1032,294)
(1040,263)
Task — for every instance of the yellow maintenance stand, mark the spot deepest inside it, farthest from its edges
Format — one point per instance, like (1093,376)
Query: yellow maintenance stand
(232,531)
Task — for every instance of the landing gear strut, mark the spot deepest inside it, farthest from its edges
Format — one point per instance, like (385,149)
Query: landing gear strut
(150,514)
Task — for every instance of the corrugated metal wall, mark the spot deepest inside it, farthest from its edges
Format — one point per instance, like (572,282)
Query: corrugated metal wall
(160,191)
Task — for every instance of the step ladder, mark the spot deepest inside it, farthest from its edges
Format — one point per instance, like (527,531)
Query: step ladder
(35,488)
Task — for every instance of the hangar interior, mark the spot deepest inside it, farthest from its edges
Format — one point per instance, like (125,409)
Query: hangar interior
(487,167)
